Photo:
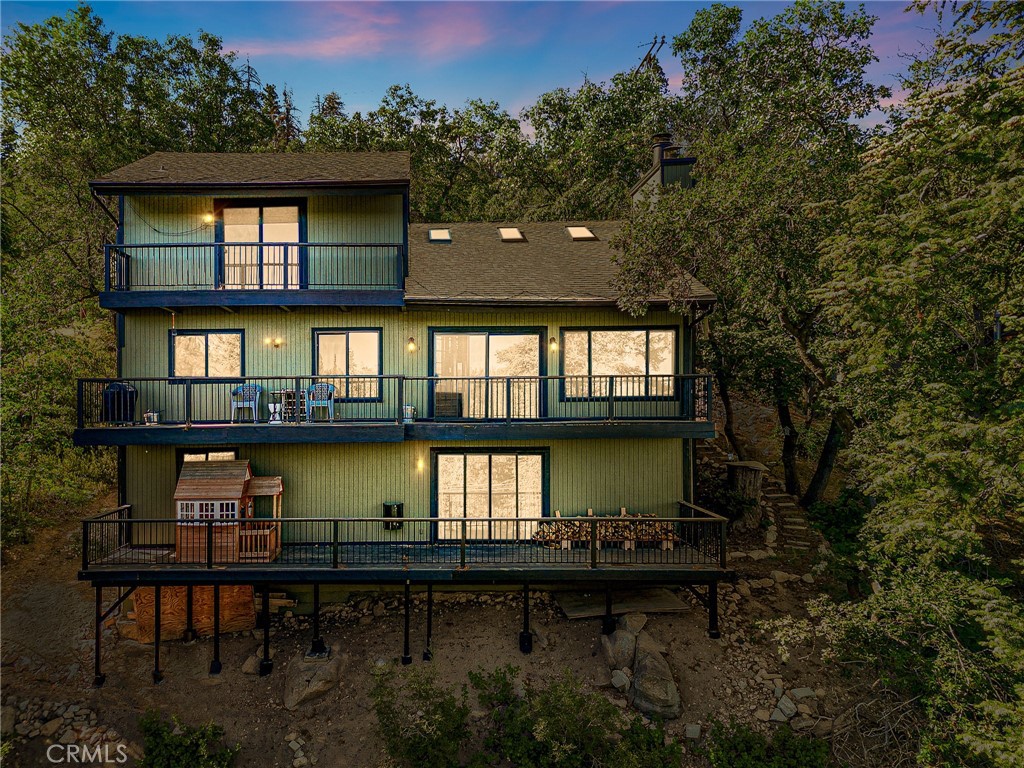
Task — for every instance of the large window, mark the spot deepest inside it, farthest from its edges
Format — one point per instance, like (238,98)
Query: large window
(480,484)
(350,353)
(642,360)
(261,246)
(206,354)
(477,365)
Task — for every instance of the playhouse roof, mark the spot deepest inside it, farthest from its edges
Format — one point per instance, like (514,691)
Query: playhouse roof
(212,480)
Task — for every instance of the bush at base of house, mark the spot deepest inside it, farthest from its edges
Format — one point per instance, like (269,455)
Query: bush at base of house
(559,725)
(172,744)
(737,746)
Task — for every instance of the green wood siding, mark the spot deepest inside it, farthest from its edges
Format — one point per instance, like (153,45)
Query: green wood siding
(354,480)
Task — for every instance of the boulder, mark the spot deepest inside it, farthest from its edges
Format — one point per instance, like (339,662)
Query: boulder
(309,679)
(619,648)
(648,644)
(803,693)
(8,719)
(50,728)
(633,622)
(620,680)
(654,690)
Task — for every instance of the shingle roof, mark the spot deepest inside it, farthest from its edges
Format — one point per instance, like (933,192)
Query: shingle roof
(225,169)
(549,267)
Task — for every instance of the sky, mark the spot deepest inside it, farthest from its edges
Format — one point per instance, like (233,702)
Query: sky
(509,52)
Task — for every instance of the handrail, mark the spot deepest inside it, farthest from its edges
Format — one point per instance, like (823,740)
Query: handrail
(390,398)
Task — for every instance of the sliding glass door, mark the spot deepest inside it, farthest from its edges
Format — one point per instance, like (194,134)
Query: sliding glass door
(261,247)
(477,485)
(479,371)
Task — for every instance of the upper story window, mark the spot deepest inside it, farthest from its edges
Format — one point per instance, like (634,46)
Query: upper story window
(642,360)
(261,245)
(213,354)
(354,354)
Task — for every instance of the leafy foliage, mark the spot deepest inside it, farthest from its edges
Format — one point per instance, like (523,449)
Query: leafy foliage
(419,721)
(736,746)
(174,744)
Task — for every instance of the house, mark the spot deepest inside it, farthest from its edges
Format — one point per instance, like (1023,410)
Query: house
(429,394)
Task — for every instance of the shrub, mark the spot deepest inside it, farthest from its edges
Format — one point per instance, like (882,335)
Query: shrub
(174,744)
(714,493)
(737,746)
(420,722)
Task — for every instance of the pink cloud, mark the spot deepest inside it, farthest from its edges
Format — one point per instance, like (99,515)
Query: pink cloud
(435,31)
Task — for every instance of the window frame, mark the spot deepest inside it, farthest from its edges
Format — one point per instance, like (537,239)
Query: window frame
(173,333)
(590,397)
(220,203)
(315,342)
(545,482)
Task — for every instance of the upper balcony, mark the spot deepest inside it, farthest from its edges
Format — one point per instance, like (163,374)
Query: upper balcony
(247,274)
(347,409)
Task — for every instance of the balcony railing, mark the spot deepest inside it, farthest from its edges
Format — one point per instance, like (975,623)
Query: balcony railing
(255,266)
(695,537)
(391,399)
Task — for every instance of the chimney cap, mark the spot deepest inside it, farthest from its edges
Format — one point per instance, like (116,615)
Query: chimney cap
(662,138)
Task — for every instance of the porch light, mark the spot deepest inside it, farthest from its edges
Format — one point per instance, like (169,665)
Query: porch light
(411,344)
(273,342)
(208,218)
(553,344)
(419,464)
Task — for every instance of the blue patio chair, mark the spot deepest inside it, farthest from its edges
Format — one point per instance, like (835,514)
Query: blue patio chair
(320,396)
(246,396)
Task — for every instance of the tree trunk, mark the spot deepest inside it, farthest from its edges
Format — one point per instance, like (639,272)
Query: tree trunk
(789,440)
(826,462)
(728,426)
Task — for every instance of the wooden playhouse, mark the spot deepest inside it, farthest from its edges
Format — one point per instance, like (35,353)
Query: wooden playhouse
(214,506)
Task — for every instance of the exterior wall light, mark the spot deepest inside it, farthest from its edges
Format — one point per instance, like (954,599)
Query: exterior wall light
(553,344)
(273,342)
(207,218)
(411,344)
(419,464)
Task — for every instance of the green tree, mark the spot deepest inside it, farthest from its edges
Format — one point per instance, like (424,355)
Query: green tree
(769,115)
(79,101)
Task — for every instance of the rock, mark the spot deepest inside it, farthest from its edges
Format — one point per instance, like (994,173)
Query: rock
(8,717)
(619,648)
(803,693)
(294,745)
(299,762)
(619,680)
(291,737)
(802,723)
(69,737)
(757,554)
(51,727)
(822,728)
(654,690)
(787,706)
(602,677)
(763,715)
(808,577)
(743,588)
(778,717)
(649,644)
(803,709)
(540,637)
(378,610)
(781,577)
(308,679)
(633,622)
(692,731)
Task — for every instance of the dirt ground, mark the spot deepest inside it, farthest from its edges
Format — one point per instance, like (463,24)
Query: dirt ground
(47,656)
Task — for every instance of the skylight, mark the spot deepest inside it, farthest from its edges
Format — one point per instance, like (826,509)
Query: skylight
(581,233)
(439,235)
(511,235)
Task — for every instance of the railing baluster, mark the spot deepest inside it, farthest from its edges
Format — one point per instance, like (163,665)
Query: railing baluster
(209,544)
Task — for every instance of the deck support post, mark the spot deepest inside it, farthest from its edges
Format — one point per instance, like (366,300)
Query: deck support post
(526,636)
(215,665)
(317,647)
(713,632)
(190,632)
(266,663)
(608,622)
(428,652)
(157,674)
(99,678)
(406,655)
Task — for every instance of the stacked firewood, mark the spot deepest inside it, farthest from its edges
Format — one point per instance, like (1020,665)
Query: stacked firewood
(625,528)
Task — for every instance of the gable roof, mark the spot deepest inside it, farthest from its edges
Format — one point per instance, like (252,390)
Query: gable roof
(201,480)
(548,267)
(233,169)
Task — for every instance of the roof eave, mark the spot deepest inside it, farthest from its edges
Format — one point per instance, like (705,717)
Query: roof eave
(127,187)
